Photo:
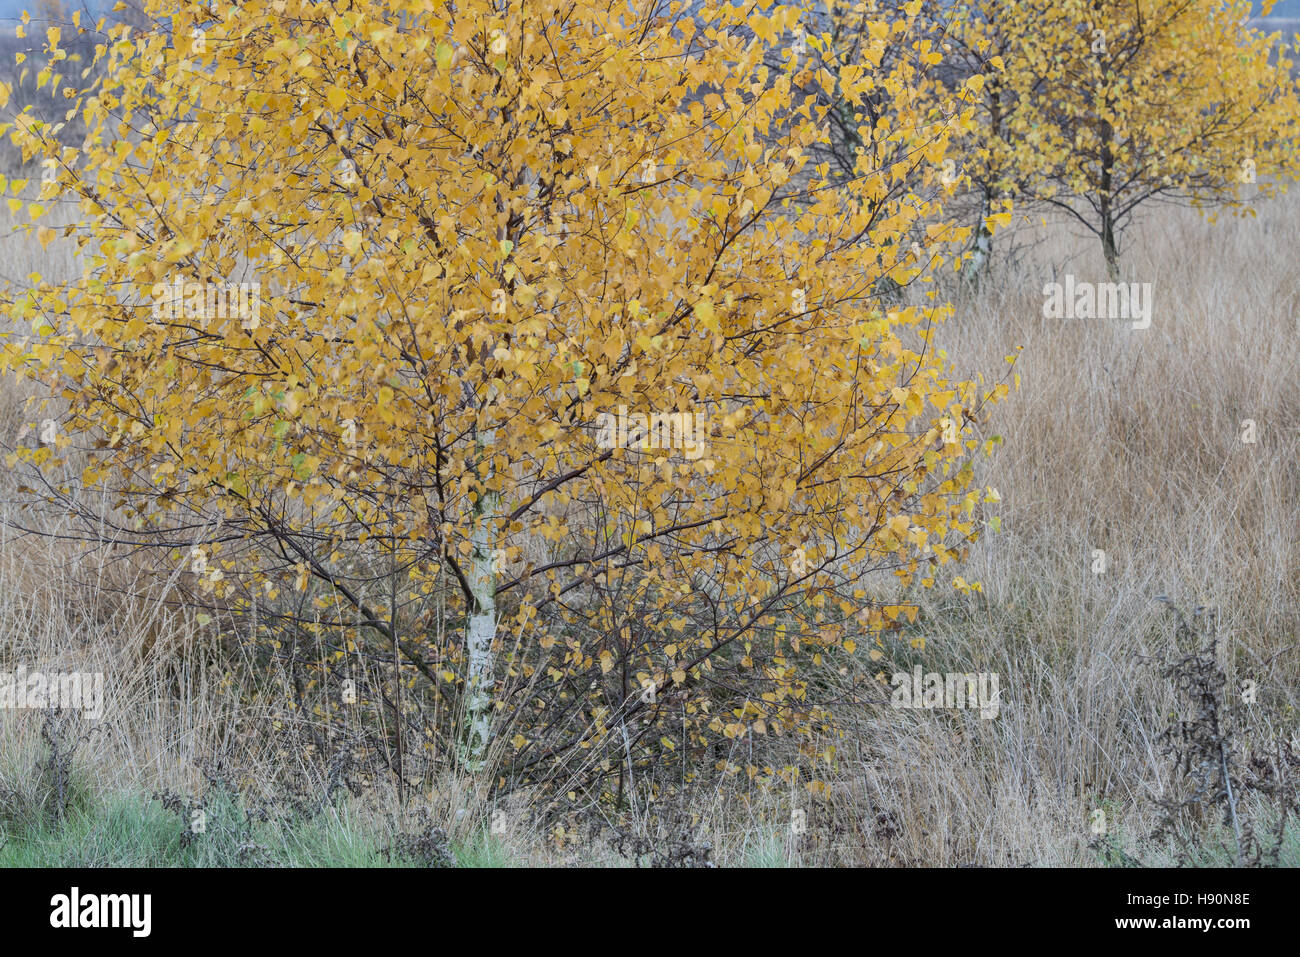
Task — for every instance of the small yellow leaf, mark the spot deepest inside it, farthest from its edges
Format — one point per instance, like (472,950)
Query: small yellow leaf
(704,310)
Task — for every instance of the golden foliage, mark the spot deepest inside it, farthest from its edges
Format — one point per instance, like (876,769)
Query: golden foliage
(463,236)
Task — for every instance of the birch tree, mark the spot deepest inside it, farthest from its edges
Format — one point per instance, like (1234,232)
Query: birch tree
(544,308)
(1098,107)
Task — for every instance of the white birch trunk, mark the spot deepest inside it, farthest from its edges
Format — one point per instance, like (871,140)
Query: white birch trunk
(481,622)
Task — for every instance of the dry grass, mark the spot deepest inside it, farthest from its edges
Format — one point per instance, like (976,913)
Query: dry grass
(1127,441)
(1122,440)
